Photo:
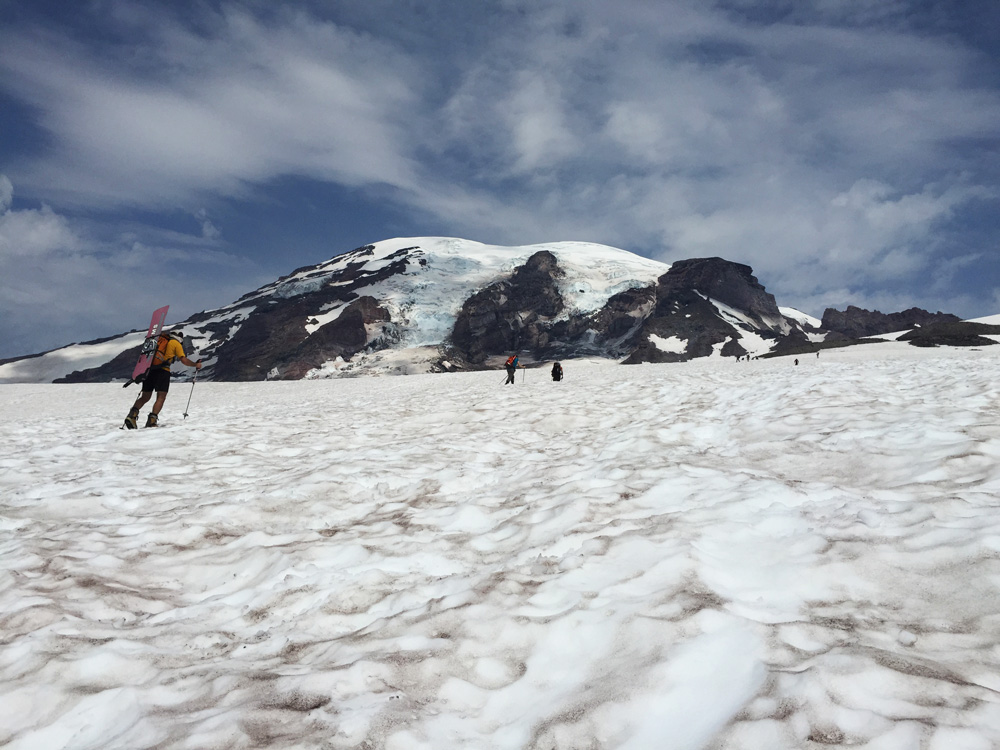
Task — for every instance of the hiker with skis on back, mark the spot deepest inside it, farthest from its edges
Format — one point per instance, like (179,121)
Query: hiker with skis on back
(168,350)
(511,365)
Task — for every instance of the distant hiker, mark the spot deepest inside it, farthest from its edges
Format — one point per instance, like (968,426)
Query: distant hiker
(168,350)
(511,365)
(796,361)
(557,372)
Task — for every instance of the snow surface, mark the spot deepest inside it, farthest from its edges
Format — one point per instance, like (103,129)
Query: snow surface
(714,554)
(800,317)
(672,344)
(63,361)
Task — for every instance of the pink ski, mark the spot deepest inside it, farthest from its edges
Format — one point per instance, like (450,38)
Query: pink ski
(149,345)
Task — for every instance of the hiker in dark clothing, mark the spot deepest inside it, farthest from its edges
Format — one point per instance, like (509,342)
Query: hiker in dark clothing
(511,365)
(557,373)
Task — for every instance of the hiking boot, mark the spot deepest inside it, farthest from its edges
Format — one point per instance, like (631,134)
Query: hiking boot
(130,420)
(152,419)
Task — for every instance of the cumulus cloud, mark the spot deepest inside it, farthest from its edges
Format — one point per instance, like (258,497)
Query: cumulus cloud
(536,119)
(62,281)
(6,193)
(210,114)
(821,150)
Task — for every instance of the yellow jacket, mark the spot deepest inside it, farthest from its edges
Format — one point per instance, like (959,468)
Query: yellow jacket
(166,355)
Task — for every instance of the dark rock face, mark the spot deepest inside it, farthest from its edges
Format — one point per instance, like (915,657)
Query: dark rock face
(511,315)
(613,330)
(951,334)
(519,315)
(688,316)
(857,323)
(260,341)
(343,337)
(732,284)
(273,341)
(683,311)
(274,344)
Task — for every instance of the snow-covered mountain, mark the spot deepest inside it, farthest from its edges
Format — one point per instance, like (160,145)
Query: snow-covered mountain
(412,305)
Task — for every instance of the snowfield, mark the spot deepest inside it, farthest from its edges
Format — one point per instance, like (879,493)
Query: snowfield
(714,554)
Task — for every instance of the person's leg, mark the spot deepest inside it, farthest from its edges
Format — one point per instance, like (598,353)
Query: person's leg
(161,396)
(154,415)
(158,380)
(131,420)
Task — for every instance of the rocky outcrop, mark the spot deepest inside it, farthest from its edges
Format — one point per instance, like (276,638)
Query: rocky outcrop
(951,334)
(732,284)
(512,315)
(275,345)
(679,318)
(685,317)
(273,342)
(686,323)
(613,330)
(857,323)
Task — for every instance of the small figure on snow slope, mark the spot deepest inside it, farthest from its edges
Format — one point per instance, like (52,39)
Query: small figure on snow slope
(557,372)
(511,365)
(168,350)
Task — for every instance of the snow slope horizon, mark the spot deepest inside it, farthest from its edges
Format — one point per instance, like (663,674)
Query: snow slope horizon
(423,303)
(702,555)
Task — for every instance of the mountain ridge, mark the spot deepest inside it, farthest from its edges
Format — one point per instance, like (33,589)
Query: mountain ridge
(435,304)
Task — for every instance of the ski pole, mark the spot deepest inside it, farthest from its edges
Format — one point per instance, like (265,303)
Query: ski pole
(193,381)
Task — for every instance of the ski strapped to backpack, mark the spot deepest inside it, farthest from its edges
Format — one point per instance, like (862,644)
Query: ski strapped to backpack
(149,346)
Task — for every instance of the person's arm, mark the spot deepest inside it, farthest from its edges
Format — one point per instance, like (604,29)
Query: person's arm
(191,363)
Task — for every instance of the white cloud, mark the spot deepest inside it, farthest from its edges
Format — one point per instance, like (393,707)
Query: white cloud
(28,235)
(62,283)
(213,114)
(208,229)
(535,117)
(6,193)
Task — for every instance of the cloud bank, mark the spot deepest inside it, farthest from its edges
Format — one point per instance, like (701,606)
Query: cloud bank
(64,282)
(845,149)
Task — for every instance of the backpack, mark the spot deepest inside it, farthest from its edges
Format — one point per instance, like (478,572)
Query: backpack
(160,361)
(511,360)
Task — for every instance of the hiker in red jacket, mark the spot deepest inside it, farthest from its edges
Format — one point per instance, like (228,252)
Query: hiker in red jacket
(511,365)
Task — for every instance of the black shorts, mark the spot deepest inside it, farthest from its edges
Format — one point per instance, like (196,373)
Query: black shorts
(156,380)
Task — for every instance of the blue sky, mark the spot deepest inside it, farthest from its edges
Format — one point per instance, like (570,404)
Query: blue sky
(185,152)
